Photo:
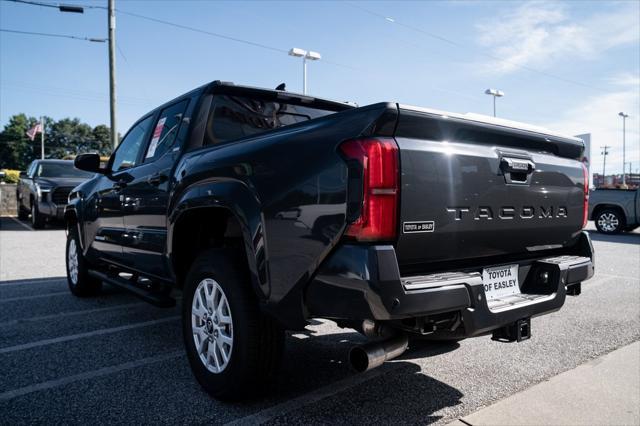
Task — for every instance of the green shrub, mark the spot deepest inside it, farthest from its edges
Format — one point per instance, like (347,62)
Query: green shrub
(11,176)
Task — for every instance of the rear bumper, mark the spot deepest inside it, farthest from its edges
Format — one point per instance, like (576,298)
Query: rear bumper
(364,282)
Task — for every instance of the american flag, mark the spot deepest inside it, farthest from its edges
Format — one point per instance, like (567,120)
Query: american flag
(31,133)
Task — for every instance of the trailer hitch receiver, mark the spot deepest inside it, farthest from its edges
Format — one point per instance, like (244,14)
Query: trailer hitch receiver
(514,332)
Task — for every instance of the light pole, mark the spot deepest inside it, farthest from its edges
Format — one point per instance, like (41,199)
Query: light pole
(304,54)
(605,152)
(496,94)
(624,131)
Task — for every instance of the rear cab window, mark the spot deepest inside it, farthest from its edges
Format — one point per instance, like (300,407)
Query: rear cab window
(236,117)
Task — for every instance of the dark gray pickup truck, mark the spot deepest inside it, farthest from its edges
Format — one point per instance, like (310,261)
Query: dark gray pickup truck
(615,210)
(267,208)
(43,190)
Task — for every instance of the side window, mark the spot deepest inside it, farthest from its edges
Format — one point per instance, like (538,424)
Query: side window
(126,155)
(165,130)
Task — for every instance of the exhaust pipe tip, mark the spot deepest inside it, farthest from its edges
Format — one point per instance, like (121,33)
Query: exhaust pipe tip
(371,355)
(359,359)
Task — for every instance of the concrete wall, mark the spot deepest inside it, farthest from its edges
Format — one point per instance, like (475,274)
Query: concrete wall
(8,202)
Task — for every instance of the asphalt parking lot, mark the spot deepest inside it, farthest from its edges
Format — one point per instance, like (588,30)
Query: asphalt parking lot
(116,359)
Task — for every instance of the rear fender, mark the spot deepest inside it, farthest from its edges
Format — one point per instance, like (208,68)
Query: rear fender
(236,197)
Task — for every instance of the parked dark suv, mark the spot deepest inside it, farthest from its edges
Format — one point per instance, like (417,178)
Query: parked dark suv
(44,188)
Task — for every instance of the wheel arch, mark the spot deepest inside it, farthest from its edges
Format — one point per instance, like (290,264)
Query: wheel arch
(607,206)
(222,213)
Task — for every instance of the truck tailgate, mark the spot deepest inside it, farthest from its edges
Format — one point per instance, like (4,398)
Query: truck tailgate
(472,189)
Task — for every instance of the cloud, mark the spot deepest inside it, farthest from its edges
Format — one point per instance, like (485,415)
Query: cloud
(598,115)
(537,34)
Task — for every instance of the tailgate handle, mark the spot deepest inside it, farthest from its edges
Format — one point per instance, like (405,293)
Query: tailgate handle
(517,170)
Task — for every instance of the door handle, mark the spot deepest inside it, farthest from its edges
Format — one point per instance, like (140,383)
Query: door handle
(157,179)
(517,170)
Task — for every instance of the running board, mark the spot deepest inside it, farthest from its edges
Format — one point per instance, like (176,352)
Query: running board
(155,299)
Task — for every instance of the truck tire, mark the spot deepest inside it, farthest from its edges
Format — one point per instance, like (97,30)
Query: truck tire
(610,221)
(37,219)
(80,282)
(22,213)
(232,347)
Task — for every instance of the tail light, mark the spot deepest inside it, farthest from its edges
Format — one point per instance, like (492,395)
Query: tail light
(376,161)
(585,214)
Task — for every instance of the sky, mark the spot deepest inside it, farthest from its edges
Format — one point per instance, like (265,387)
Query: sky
(568,66)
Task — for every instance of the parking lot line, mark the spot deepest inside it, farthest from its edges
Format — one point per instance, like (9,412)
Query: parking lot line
(88,375)
(86,334)
(33,281)
(34,296)
(71,313)
(24,225)
(312,397)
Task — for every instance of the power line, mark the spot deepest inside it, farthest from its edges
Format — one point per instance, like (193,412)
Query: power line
(77,96)
(184,27)
(55,5)
(22,85)
(462,46)
(91,39)
(197,30)
(222,36)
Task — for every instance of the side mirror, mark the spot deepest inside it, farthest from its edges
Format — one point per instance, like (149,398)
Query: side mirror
(88,162)
(23,175)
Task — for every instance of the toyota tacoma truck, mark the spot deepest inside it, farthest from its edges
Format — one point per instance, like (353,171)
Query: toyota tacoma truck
(266,209)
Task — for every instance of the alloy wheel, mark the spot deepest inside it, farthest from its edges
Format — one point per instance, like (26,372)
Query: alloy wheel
(212,325)
(72,262)
(608,222)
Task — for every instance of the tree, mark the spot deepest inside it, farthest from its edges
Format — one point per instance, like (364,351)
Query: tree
(63,138)
(68,137)
(16,150)
(101,136)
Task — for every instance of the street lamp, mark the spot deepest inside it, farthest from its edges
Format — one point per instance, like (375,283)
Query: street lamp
(70,8)
(624,131)
(304,54)
(496,94)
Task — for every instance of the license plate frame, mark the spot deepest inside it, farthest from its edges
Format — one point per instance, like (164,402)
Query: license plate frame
(501,281)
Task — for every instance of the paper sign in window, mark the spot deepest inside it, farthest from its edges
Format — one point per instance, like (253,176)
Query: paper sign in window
(157,132)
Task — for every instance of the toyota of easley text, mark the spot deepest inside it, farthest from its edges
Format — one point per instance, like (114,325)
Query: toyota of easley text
(266,208)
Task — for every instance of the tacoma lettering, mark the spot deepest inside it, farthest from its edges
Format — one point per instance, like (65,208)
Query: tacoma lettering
(508,212)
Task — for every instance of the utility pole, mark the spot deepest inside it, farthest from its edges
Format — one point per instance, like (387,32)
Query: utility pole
(112,72)
(605,152)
